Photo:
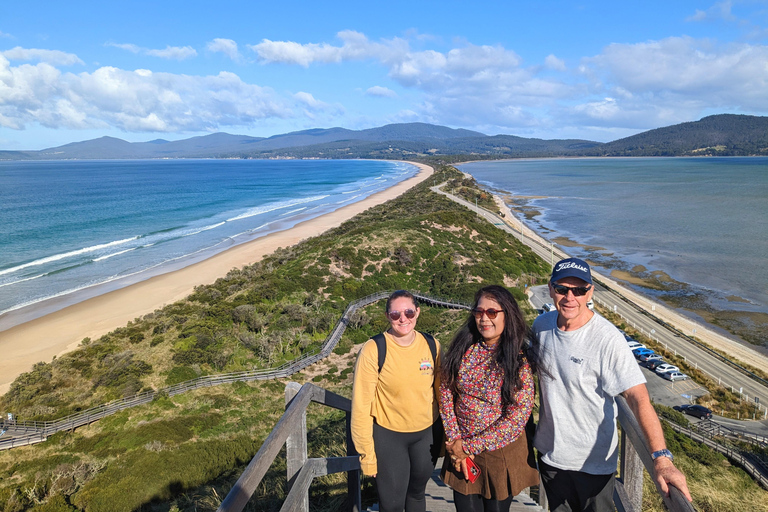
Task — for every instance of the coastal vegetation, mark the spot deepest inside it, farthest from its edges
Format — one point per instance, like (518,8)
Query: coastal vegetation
(184,453)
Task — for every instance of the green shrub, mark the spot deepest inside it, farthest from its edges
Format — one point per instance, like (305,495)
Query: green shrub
(180,374)
(56,504)
(141,477)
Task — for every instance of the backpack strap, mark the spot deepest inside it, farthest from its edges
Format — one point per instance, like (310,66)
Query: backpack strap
(381,346)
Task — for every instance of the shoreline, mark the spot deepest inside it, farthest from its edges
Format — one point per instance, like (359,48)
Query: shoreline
(705,333)
(61,331)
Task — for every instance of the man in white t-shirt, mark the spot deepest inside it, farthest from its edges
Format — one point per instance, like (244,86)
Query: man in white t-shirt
(584,364)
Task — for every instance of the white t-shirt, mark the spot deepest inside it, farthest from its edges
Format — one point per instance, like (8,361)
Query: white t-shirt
(587,368)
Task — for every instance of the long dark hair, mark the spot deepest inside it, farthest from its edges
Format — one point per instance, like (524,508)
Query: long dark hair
(511,349)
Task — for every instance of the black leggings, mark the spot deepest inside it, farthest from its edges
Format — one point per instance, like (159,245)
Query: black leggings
(476,503)
(404,468)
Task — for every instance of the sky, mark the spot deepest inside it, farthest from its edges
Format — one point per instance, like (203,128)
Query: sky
(168,69)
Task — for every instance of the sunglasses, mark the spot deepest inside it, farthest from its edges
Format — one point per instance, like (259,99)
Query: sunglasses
(395,315)
(577,291)
(491,313)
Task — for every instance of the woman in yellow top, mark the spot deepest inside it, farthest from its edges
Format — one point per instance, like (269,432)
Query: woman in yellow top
(394,409)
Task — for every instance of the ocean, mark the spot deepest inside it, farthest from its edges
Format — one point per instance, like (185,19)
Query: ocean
(68,226)
(703,221)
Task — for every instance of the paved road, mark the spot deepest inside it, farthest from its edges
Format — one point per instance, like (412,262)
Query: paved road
(639,319)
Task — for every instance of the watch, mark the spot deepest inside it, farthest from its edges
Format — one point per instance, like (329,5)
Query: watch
(662,453)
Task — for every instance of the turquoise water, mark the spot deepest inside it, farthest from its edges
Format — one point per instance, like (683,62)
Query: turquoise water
(703,221)
(68,226)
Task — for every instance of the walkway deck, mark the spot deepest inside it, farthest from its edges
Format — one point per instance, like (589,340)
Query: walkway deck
(440,497)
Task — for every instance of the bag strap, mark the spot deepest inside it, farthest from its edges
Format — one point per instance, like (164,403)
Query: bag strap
(381,346)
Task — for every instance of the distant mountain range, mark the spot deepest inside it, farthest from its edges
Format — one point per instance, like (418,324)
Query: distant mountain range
(724,134)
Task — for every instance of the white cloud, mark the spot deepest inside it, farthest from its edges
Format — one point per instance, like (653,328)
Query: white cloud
(317,110)
(380,91)
(719,11)
(294,53)
(699,15)
(125,46)
(553,62)
(131,100)
(309,100)
(686,68)
(226,46)
(174,52)
(355,47)
(54,57)
(169,52)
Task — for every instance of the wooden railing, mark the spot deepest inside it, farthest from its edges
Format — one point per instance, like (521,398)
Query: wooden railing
(21,433)
(291,430)
(635,454)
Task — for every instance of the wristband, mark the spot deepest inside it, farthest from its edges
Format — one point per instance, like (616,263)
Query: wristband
(663,453)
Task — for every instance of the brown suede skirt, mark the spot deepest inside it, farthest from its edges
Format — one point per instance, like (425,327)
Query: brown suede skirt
(504,472)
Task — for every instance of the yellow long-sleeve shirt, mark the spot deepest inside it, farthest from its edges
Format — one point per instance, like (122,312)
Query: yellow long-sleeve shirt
(403,397)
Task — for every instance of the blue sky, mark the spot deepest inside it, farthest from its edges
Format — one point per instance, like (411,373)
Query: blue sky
(597,70)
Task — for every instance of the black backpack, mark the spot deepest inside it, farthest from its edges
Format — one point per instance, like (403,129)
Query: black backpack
(381,345)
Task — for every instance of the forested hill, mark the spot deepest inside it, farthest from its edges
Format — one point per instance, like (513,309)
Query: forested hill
(725,135)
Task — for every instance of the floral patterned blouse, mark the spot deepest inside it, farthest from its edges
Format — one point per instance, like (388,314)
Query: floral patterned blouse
(475,416)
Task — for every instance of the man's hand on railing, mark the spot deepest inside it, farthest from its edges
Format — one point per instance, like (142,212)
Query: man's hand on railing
(666,474)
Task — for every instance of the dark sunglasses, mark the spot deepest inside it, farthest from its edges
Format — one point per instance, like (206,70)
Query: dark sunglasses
(478,312)
(395,315)
(577,291)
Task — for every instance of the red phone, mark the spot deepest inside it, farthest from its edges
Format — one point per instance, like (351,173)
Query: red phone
(473,470)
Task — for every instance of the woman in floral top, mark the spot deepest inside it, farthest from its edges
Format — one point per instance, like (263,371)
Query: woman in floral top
(486,400)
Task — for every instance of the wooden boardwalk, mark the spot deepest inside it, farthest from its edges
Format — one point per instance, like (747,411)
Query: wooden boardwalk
(440,497)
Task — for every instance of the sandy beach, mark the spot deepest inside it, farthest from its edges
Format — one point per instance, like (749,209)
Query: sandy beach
(62,331)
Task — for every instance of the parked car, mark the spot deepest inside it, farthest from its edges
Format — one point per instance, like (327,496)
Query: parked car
(649,357)
(673,376)
(664,368)
(698,411)
(627,336)
(654,363)
(549,307)
(641,351)
(635,344)
(590,304)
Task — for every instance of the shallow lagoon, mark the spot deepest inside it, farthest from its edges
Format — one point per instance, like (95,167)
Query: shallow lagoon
(701,222)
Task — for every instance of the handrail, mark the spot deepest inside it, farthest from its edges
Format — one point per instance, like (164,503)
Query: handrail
(246,485)
(38,431)
(627,493)
(676,501)
(733,454)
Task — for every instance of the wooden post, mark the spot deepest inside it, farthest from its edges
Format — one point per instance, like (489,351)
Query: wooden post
(296,444)
(631,472)
(353,477)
